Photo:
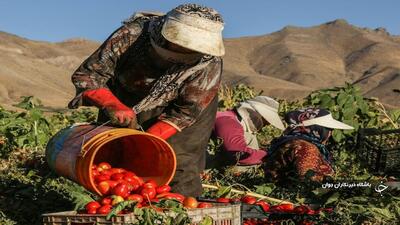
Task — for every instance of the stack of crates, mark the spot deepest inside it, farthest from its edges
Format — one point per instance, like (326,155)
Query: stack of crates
(222,214)
(379,150)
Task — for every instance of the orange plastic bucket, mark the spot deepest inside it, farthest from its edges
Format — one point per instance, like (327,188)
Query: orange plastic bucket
(73,151)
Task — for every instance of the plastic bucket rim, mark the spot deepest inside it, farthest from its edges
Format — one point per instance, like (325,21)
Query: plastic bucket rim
(120,134)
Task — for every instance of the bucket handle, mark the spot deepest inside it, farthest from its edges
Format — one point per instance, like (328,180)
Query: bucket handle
(83,152)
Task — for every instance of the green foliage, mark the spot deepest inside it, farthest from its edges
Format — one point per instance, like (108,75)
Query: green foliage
(229,97)
(349,106)
(31,128)
(28,189)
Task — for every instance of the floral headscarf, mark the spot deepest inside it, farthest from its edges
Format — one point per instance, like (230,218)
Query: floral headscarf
(296,130)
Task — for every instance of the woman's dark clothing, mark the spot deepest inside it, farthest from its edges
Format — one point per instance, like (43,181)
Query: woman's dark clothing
(300,149)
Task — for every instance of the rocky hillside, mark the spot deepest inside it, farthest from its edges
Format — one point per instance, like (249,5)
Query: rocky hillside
(286,64)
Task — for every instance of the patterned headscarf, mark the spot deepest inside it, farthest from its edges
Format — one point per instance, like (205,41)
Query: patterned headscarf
(296,130)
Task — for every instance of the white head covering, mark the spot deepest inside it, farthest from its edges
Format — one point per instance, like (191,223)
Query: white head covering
(265,107)
(196,28)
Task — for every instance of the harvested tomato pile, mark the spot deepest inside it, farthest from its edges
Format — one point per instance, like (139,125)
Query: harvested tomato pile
(118,185)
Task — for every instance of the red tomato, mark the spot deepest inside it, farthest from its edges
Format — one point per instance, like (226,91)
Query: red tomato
(190,202)
(101,177)
(91,211)
(117,170)
(263,204)
(94,167)
(301,209)
(204,205)
(106,201)
(150,184)
(104,166)
(283,208)
(223,200)
(95,173)
(249,200)
(105,209)
(121,189)
(129,178)
(135,197)
(106,172)
(92,205)
(174,196)
(112,183)
(148,193)
(139,180)
(129,173)
(117,176)
(103,187)
(163,189)
(134,185)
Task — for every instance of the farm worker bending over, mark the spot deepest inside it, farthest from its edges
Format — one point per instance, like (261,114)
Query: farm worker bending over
(238,127)
(164,72)
(302,146)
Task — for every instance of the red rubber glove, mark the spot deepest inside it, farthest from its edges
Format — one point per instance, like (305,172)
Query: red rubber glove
(162,130)
(103,98)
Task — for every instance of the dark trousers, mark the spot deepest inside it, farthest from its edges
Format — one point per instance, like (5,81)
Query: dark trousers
(190,146)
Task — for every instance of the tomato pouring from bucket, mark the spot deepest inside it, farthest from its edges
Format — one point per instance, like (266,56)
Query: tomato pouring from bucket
(73,151)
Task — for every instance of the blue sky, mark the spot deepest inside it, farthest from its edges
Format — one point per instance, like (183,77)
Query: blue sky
(57,20)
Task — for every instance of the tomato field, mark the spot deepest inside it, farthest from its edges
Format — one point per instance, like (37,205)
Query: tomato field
(28,188)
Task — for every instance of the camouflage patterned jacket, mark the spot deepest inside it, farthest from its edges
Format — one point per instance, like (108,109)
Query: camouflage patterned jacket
(127,64)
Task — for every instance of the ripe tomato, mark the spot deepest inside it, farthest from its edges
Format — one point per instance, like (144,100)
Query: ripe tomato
(121,189)
(139,180)
(117,176)
(106,172)
(117,199)
(148,193)
(134,185)
(91,211)
(129,173)
(283,208)
(190,202)
(204,205)
(223,200)
(117,170)
(129,178)
(106,201)
(248,200)
(150,184)
(95,173)
(100,178)
(135,197)
(104,166)
(105,209)
(92,205)
(174,196)
(112,183)
(103,187)
(163,189)
(263,204)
